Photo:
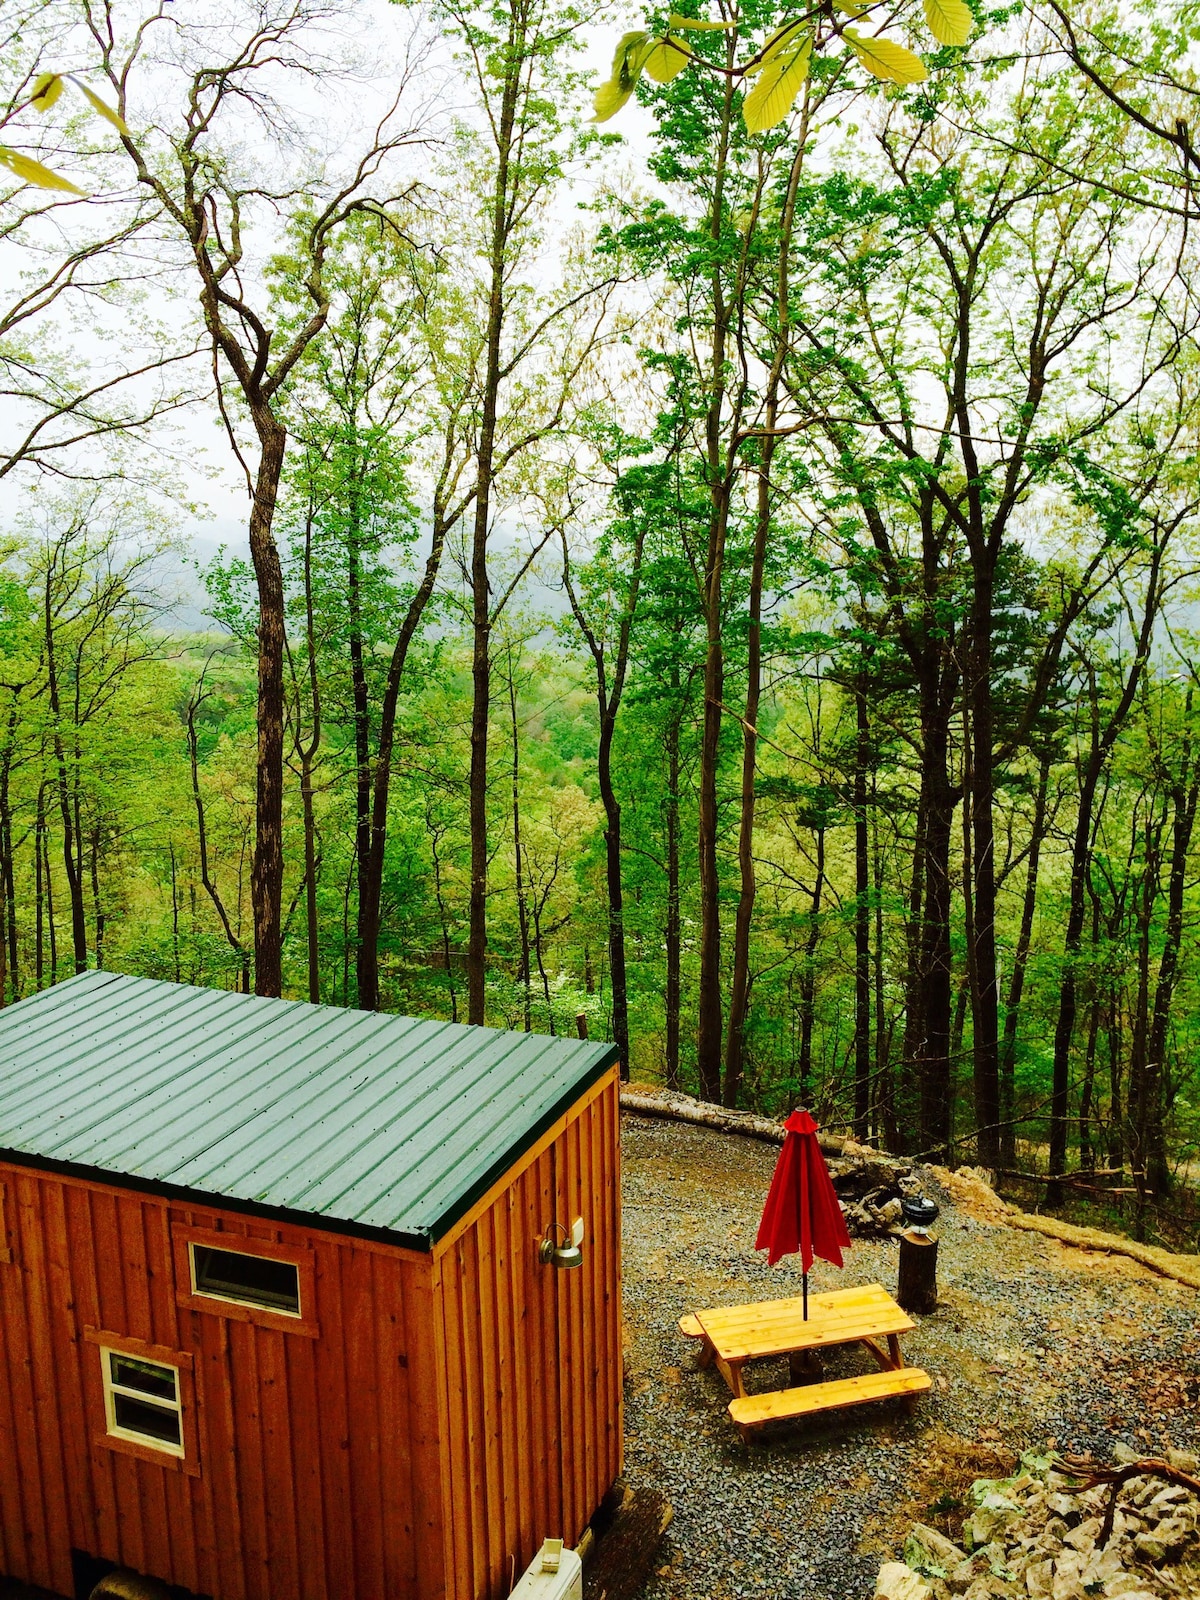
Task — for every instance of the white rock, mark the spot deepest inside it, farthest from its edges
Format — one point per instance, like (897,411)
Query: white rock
(1101,1566)
(899,1582)
(926,1547)
(1083,1538)
(1171,1495)
(1039,1579)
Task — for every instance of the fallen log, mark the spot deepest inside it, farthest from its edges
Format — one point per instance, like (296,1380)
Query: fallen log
(626,1542)
(1184,1269)
(682,1108)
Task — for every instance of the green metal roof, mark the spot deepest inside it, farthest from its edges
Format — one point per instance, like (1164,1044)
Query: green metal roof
(352,1120)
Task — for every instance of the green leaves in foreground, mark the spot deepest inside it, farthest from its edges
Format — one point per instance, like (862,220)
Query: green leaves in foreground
(46,91)
(662,59)
(782,65)
(780,73)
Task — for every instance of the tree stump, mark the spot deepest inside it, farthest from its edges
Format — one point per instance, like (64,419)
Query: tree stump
(917,1290)
(629,1528)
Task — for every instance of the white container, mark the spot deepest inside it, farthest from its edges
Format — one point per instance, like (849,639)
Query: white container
(540,1580)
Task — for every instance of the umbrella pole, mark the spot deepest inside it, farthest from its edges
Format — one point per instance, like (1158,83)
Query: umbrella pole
(804,1279)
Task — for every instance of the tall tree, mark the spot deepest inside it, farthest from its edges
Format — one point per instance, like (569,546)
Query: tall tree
(213,204)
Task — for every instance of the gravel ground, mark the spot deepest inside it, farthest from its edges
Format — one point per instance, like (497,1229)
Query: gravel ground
(1032,1341)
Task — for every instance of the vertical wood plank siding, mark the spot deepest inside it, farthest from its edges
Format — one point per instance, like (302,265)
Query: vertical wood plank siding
(453,1410)
(319,1472)
(531,1356)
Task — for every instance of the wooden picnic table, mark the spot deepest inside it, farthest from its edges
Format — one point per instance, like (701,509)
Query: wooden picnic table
(867,1315)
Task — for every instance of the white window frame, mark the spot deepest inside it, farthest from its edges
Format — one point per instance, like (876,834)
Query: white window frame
(112,1388)
(244,1300)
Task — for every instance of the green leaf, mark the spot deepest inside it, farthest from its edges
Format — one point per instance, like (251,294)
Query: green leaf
(781,39)
(850,7)
(666,59)
(106,111)
(884,59)
(31,171)
(950,21)
(624,70)
(780,79)
(46,91)
(609,99)
(681,24)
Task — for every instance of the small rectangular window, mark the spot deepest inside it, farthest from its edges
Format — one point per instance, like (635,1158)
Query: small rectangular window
(141,1401)
(250,1280)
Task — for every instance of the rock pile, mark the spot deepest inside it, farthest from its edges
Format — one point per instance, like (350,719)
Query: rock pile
(1038,1536)
(871,1188)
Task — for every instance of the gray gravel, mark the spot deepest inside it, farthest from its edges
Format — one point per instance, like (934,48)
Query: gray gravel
(1031,1341)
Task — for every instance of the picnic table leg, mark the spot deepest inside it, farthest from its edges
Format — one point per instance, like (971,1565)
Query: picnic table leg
(731,1371)
(893,1340)
(705,1358)
(886,1362)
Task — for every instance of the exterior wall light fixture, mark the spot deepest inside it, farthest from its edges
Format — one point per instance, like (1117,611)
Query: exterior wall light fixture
(566,1254)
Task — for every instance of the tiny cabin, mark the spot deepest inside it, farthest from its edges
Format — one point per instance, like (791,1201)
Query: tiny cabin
(299,1303)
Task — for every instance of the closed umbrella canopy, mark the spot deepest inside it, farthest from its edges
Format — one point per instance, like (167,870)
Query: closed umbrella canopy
(802,1211)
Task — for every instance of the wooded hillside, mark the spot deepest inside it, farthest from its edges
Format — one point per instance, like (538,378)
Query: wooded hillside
(739,585)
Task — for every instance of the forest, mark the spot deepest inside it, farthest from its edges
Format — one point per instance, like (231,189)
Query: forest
(717,552)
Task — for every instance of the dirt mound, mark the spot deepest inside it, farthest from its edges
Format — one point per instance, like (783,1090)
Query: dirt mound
(971,1190)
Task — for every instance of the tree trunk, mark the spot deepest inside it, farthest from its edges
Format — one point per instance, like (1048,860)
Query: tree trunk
(930,1042)
(525,973)
(39,890)
(175,916)
(739,988)
(808,981)
(709,1010)
(312,929)
(266,873)
(674,928)
(72,863)
(371,866)
(1148,1115)
(367,955)
(481,615)
(616,894)
(8,916)
(97,904)
(862,913)
(1103,737)
(916,1289)
(884,1090)
(51,925)
(1016,983)
(984,987)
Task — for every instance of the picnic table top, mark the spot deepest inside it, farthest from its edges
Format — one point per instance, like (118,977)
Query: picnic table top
(776,1327)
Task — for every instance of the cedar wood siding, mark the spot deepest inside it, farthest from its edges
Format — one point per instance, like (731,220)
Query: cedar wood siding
(318,1457)
(405,1453)
(531,1355)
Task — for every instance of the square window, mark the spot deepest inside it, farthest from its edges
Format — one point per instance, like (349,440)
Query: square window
(249,1280)
(142,1401)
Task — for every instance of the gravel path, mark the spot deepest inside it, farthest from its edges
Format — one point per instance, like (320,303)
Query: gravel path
(1031,1341)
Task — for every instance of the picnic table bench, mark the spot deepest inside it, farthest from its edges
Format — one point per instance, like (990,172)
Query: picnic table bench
(868,1316)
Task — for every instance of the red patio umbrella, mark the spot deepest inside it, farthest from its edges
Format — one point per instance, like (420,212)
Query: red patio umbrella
(802,1211)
